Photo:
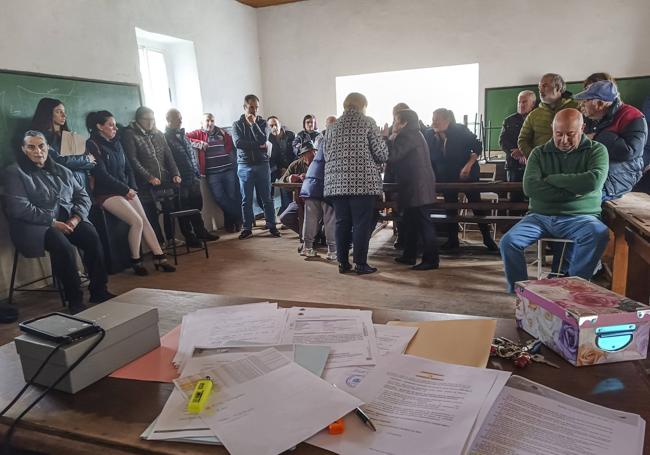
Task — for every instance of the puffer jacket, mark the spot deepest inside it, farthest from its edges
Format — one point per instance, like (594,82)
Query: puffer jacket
(250,141)
(354,154)
(623,131)
(149,156)
(113,174)
(538,126)
(314,183)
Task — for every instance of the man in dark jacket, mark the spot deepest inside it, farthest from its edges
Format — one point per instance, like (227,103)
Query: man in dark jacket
(48,210)
(153,166)
(249,136)
(184,155)
(622,129)
(282,155)
(515,159)
(455,151)
(409,162)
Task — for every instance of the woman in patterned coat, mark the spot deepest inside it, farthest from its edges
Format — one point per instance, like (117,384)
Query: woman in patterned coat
(354,155)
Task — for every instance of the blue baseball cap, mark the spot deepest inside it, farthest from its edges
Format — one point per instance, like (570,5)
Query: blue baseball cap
(601,90)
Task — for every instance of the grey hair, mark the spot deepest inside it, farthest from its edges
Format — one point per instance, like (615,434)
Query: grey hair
(447,114)
(558,81)
(529,93)
(33,133)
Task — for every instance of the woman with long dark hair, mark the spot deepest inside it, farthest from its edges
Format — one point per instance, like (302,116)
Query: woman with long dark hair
(51,120)
(115,189)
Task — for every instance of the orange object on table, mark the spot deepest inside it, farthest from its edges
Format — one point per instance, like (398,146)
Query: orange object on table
(337,427)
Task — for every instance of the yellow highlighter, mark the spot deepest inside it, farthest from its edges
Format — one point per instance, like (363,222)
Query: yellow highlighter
(199,398)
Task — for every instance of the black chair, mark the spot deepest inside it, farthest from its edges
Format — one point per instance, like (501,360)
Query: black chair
(56,285)
(173,196)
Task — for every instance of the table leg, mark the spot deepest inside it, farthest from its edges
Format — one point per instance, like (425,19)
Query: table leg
(620,261)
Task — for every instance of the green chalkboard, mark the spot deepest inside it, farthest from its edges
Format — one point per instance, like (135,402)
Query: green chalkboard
(502,101)
(20,93)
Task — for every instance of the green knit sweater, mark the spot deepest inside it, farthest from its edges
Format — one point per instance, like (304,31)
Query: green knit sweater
(566,183)
(538,126)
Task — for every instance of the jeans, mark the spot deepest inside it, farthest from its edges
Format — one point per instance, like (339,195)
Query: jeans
(258,177)
(415,225)
(589,234)
(224,187)
(64,260)
(355,217)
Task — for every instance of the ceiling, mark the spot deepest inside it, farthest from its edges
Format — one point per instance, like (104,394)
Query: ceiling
(262,3)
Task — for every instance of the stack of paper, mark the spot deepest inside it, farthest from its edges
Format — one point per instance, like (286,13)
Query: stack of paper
(284,402)
(418,406)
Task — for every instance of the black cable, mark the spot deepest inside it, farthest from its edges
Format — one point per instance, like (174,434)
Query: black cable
(12,428)
(31,380)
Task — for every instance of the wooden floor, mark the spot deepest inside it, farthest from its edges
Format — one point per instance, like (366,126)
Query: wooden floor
(269,268)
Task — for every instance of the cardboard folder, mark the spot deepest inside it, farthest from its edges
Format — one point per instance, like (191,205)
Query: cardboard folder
(463,342)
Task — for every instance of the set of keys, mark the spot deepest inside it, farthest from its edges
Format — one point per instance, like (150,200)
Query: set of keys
(521,355)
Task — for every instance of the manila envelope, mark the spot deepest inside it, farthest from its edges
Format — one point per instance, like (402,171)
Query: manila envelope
(462,342)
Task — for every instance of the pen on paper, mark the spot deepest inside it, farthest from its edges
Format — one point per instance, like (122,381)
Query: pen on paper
(363,416)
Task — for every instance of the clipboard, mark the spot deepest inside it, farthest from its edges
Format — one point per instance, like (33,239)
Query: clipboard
(72,144)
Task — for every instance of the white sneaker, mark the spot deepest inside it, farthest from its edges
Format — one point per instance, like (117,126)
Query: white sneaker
(331,256)
(309,252)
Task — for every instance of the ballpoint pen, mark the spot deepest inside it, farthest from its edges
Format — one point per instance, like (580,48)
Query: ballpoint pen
(365,419)
(363,416)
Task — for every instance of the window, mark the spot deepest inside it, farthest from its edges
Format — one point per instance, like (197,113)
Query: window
(424,90)
(157,94)
(170,77)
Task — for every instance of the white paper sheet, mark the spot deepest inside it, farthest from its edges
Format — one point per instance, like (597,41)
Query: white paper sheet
(530,419)
(281,409)
(259,323)
(418,406)
(391,339)
(349,334)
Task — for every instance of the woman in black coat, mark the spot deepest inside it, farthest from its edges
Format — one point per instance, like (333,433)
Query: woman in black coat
(115,189)
(410,165)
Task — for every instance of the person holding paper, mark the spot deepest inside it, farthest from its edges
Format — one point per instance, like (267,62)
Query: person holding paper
(50,119)
(115,188)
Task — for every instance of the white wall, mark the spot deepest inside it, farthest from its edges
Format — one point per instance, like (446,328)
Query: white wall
(305,45)
(96,39)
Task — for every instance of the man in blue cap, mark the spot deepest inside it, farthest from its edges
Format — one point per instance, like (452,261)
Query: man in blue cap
(622,129)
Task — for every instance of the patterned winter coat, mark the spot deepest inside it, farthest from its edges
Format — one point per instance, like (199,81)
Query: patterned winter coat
(354,154)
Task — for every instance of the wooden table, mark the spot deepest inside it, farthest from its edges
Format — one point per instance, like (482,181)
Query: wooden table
(108,417)
(629,220)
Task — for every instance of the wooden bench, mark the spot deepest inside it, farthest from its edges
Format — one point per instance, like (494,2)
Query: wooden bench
(629,220)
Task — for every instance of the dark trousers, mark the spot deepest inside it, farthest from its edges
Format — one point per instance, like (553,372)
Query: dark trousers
(355,216)
(417,225)
(64,260)
(472,196)
(191,226)
(516,175)
(290,217)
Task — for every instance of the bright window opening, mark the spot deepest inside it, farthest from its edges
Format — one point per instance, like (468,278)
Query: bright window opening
(170,77)
(424,90)
(157,94)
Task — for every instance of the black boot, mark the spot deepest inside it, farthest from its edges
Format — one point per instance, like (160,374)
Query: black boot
(488,241)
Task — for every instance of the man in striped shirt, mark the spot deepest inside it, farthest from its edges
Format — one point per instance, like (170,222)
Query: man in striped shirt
(217,159)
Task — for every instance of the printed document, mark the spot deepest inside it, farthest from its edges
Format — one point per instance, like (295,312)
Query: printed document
(531,419)
(417,405)
(349,334)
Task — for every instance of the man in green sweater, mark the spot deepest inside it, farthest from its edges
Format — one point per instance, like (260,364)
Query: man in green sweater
(564,180)
(536,129)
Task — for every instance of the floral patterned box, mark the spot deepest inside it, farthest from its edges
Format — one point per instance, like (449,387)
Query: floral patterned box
(584,323)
